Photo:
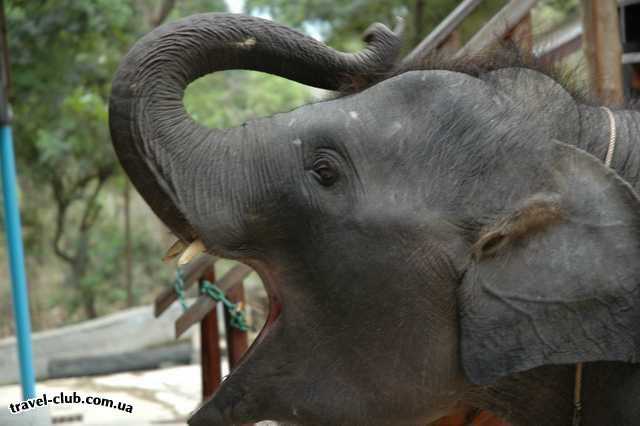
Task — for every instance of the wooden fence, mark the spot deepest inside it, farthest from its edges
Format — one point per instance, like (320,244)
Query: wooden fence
(204,312)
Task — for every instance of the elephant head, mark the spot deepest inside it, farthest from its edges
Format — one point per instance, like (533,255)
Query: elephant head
(423,237)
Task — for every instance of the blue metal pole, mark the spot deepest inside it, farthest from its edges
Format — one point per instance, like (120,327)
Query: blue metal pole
(16,262)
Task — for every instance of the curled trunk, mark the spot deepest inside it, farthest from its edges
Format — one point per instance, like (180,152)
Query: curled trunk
(159,145)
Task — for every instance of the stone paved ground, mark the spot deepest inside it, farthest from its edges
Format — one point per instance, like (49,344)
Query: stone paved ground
(158,397)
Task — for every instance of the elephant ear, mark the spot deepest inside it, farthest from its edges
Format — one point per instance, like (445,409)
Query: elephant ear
(556,279)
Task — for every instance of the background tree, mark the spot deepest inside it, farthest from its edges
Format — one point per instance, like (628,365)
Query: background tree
(341,23)
(63,53)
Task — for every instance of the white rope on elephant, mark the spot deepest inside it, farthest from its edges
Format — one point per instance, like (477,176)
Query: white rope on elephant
(577,391)
(612,137)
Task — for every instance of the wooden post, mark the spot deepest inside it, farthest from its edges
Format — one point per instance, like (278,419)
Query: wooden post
(522,34)
(210,355)
(451,44)
(603,50)
(237,341)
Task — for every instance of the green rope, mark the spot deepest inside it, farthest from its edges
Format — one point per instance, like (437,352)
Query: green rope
(236,315)
(210,289)
(178,285)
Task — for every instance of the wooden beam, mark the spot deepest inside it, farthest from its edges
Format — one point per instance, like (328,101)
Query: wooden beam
(560,42)
(630,58)
(499,26)
(191,273)
(603,49)
(441,32)
(204,304)
(210,354)
(561,51)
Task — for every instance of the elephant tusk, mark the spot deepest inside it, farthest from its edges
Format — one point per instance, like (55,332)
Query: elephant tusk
(194,249)
(174,251)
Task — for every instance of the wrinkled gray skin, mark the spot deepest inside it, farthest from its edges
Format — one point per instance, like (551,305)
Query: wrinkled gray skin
(394,230)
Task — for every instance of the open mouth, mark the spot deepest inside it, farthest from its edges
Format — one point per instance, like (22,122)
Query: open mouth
(275,307)
(186,253)
(221,407)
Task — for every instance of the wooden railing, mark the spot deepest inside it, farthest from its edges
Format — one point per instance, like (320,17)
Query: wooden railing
(442,32)
(204,311)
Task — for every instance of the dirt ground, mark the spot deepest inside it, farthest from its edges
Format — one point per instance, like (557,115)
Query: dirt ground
(158,397)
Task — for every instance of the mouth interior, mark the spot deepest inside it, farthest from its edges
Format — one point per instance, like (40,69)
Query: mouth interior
(275,307)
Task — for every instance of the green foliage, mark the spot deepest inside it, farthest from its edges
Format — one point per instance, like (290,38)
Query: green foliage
(229,98)
(63,54)
(561,7)
(342,22)
(548,14)
(71,144)
(186,8)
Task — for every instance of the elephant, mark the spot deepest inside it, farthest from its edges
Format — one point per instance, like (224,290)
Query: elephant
(433,235)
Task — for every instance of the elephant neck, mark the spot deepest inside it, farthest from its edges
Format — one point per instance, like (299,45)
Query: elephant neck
(545,395)
(540,396)
(595,131)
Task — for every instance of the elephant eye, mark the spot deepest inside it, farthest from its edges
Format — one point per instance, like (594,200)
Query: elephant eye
(324,172)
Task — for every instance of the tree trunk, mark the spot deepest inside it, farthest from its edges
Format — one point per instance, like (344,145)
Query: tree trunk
(418,22)
(89,305)
(79,271)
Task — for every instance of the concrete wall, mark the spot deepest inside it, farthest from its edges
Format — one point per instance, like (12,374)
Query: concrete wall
(124,331)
